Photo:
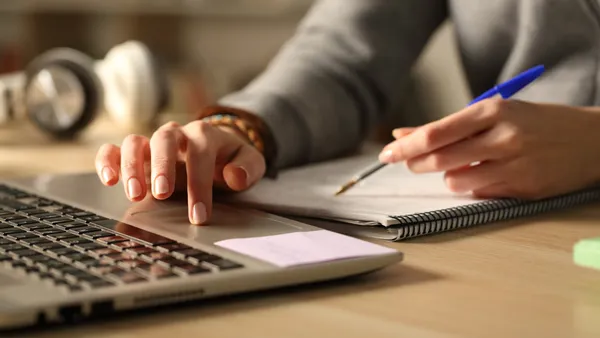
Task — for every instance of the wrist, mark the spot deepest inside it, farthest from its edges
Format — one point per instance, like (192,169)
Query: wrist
(586,140)
(246,125)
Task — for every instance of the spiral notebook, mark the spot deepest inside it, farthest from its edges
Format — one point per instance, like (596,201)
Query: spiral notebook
(392,204)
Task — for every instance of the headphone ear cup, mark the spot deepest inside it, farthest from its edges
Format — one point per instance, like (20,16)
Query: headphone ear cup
(132,91)
(81,68)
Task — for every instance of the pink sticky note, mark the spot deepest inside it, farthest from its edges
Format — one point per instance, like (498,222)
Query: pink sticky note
(300,248)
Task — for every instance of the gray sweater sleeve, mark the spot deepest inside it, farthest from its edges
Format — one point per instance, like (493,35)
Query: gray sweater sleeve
(338,74)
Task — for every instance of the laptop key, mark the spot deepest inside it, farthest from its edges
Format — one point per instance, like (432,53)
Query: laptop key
(104,251)
(62,251)
(65,270)
(153,256)
(105,269)
(77,256)
(24,252)
(13,205)
(79,214)
(68,210)
(140,250)
(225,264)
(92,218)
(22,222)
(75,241)
(32,270)
(21,235)
(12,230)
(89,246)
(47,265)
(111,239)
(81,228)
(46,216)
(34,226)
(97,283)
(172,261)
(74,287)
(39,258)
(155,271)
(6,226)
(13,217)
(33,211)
(35,240)
(202,257)
(5,241)
(73,225)
(11,247)
(190,269)
(59,220)
(47,246)
(127,244)
(98,234)
(127,277)
(18,264)
(173,247)
(118,256)
(75,275)
(132,263)
(47,231)
(60,235)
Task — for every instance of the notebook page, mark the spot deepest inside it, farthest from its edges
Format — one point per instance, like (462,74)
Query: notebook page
(394,190)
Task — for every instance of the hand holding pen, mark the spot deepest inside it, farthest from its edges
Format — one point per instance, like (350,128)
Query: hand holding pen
(503,148)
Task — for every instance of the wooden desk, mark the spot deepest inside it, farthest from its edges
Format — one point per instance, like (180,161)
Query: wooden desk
(511,279)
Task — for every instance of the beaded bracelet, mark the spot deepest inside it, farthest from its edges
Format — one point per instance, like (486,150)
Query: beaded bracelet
(242,127)
(249,126)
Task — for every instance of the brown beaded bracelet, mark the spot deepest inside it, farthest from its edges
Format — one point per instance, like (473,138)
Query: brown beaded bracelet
(242,127)
(249,126)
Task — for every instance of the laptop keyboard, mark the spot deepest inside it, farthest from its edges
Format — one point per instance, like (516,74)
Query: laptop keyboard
(78,250)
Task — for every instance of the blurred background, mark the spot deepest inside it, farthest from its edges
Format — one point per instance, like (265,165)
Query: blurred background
(209,48)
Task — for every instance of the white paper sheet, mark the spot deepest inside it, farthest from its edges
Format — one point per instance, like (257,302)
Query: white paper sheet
(394,190)
(300,248)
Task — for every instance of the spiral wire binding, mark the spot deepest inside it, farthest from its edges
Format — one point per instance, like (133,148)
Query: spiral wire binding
(415,225)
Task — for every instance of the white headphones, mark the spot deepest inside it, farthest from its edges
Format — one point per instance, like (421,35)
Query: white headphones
(63,90)
(134,86)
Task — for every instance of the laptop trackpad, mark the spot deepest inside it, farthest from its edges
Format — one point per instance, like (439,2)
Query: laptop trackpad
(170,218)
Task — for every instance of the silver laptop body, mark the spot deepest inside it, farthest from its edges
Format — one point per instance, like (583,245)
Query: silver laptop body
(117,255)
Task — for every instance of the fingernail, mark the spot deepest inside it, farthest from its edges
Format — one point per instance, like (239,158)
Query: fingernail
(134,187)
(386,156)
(161,185)
(198,213)
(246,175)
(397,133)
(107,174)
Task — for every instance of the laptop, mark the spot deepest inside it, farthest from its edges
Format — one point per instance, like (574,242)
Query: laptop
(71,248)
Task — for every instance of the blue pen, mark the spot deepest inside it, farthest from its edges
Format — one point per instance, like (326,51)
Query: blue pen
(512,86)
(505,89)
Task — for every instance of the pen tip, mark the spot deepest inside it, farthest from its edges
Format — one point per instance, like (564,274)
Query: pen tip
(343,188)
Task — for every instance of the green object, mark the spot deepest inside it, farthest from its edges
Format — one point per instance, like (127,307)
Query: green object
(586,253)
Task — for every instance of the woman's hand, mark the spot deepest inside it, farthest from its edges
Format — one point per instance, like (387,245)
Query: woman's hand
(506,148)
(195,157)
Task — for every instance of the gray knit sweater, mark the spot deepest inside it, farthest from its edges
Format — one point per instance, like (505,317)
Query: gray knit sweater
(340,73)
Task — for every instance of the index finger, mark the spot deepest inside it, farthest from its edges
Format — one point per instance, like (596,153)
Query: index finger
(453,128)
(200,164)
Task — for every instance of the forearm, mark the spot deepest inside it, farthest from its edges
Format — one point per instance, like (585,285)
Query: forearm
(337,76)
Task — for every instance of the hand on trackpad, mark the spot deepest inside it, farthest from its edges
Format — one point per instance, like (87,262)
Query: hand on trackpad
(226,221)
